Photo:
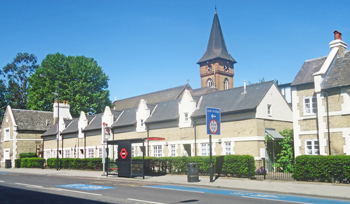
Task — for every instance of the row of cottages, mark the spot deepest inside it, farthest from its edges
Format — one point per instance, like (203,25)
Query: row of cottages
(248,113)
(321,103)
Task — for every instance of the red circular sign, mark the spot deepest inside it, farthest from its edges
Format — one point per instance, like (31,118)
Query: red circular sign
(213,126)
(123,153)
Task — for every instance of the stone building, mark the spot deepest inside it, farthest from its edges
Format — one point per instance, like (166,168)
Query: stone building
(22,130)
(320,93)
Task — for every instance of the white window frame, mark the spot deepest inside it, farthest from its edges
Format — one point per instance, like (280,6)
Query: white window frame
(100,151)
(186,117)
(309,110)
(54,155)
(157,151)
(209,82)
(205,149)
(228,148)
(226,84)
(313,147)
(173,150)
(91,153)
(7,134)
(81,154)
(9,154)
(47,154)
(67,153)
(269,109)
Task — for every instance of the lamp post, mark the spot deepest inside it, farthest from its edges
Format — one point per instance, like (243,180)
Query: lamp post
(58,115)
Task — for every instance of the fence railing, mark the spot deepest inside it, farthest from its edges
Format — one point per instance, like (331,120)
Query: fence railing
(266,170)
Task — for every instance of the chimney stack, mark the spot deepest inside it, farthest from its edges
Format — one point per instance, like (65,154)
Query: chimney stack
(337,35)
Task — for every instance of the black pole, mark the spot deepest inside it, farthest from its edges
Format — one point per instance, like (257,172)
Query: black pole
(58,123)
(210,161)
(329,136)
(143,159)
(264,168)
(195,138)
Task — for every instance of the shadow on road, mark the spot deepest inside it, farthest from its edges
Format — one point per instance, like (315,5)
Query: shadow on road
(10,195)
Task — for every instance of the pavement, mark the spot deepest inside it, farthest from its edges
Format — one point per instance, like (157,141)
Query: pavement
(317,189)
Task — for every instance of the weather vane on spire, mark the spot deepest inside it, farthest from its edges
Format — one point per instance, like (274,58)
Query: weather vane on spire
(215,6)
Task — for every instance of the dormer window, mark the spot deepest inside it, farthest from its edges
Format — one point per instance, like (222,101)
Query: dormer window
(186,117)
(141,122)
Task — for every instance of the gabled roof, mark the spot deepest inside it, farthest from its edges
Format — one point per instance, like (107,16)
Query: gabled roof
(95,123)
(32,119)
(339,76)
(72,127)
(204,90)
(305,75)
(216,45)
(234,100)
(53,129)
(165,111)
(128,117)
(151,98)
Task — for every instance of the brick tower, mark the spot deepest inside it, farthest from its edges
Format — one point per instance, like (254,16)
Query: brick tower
(216,65)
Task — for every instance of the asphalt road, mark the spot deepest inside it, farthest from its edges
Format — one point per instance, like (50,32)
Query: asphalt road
(25,188)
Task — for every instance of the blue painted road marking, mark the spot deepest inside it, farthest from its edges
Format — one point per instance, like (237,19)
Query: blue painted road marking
(85,187)
(6,173)
(266,196)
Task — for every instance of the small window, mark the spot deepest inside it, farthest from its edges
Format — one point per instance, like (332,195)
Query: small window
(311,147)
(99,152)
(141,122)
(67,153)
(7,153)
(228,148)
(157,150)
(205,149)
(269,111)
(210,83)
(91,153)
(7,134)
(310,105)
(186,117)
(173,153)
(226,84)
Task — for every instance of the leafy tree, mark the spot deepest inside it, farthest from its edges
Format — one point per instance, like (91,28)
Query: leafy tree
(16,75)
(286,158)
(82,82)
(2,99)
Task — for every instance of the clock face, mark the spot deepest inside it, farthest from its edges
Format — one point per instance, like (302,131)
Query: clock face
(208,68)
(226,68)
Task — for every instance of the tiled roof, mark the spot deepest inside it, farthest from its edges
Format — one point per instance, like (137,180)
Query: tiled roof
(151,98)
(165,111)
(339,75)
(32,119)
(53,129)
(128,117)
(305,75)
(95,123)
(72,127)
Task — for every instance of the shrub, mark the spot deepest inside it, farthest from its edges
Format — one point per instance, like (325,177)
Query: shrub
(76,163)
(18,163)
(27,155)
(322,168)
(32,162)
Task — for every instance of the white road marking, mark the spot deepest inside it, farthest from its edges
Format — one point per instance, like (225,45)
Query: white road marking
(144,201)
(1,181)
(29,185)
(275,200)
(173,189)
(60,189)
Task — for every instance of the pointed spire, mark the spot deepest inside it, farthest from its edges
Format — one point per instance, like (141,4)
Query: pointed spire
(216,44)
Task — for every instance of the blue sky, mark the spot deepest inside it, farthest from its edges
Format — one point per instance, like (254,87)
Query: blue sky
(146,46)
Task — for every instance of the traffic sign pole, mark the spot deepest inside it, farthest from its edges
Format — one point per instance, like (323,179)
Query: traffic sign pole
(210,161)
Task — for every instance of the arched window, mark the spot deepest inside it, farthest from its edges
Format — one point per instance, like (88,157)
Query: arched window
(226,84)
(210,83)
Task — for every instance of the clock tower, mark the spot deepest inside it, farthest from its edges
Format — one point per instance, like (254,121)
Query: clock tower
(216,65)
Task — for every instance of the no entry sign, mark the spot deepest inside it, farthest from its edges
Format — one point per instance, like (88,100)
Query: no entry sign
(213,121)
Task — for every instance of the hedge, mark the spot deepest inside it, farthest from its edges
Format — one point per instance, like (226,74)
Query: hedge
(27,155)
(72,163)
(322,168)
(230,165)
(32,162)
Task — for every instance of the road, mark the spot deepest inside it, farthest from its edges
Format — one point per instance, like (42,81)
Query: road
(25,188)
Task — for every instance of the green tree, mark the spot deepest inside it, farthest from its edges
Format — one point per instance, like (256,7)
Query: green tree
(285,159)
(2,99)
(82,82)
(16,76)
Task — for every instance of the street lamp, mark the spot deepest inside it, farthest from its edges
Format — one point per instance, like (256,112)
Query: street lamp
(58,116)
